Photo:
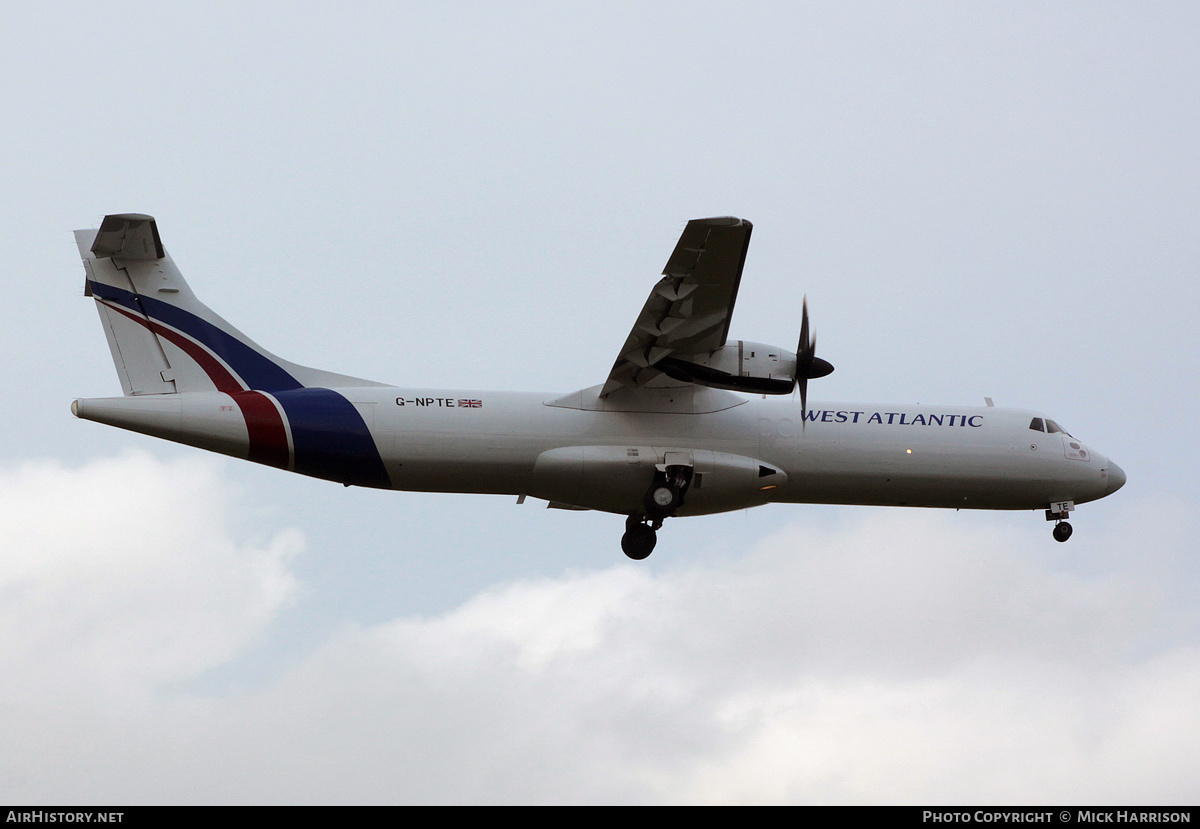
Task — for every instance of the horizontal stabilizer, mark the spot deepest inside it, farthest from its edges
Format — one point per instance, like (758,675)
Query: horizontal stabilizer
(128,236)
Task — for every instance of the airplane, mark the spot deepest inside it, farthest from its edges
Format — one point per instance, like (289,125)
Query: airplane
(688,422)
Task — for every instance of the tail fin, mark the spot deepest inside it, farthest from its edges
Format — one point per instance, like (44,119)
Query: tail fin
(163,339)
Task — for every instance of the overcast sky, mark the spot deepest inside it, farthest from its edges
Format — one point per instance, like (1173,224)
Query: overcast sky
(994,199)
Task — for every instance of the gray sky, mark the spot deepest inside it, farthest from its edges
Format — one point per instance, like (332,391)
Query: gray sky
(978,199)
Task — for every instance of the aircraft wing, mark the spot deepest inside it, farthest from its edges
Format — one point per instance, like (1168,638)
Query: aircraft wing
(689,310)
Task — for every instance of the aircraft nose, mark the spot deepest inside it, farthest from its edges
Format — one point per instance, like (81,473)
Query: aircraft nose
(1116,478)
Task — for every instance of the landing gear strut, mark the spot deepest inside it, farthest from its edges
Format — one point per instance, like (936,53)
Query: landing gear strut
(662,499)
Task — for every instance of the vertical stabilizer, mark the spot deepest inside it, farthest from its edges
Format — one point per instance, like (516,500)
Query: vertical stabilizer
(162,338)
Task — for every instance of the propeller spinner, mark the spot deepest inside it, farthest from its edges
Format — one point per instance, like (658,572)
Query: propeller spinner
(808,365)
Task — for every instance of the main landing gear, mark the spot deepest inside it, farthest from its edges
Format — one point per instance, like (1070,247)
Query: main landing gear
(662,499)
(1058,513)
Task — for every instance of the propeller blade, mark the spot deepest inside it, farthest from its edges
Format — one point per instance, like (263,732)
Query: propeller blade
(808,364)
(804,349)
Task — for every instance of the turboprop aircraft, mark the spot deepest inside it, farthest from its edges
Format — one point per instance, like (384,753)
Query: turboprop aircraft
(681,426)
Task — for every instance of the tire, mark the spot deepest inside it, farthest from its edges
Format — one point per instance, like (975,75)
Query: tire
(638,541)
(1062,531)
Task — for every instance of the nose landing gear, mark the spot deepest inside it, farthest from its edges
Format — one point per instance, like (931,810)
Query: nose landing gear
(1058,513)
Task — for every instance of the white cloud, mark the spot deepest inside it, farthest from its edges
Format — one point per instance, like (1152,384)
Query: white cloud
(117,579)
(909,657)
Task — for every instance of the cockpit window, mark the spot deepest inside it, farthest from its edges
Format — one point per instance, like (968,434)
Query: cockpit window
(1037,425)
(1053,427)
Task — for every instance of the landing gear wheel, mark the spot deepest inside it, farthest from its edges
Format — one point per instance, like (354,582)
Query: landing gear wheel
(1062,531)
(662,499)
(639,540)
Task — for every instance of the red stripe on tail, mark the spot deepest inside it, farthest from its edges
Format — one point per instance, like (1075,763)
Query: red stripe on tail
(264,425)
(268,437)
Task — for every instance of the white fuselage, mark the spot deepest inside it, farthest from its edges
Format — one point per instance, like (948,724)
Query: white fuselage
(533,444)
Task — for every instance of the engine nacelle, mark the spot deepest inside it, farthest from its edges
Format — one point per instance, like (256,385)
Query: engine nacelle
(738,366)
(615,478)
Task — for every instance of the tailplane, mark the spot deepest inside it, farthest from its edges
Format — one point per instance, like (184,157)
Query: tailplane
(162,338)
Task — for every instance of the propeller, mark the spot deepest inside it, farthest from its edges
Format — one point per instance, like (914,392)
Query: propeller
(808,365)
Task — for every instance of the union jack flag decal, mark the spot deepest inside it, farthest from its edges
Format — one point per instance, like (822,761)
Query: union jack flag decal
(470,404)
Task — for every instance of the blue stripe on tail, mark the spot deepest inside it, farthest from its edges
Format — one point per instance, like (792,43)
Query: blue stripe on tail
(256,370)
